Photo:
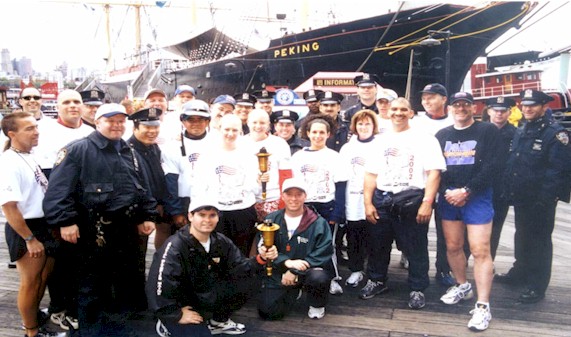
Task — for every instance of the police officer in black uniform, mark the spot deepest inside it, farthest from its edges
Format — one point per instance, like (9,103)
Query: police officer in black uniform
(245,103)
(146,128)
(92,99)
(537,176)
(99,200)
(312,104)
(283,122)
(499,109)
(367,92)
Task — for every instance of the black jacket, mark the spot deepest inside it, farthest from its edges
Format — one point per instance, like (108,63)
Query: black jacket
(90,176)
(184,274)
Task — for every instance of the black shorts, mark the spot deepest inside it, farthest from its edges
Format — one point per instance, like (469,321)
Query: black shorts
(16,244)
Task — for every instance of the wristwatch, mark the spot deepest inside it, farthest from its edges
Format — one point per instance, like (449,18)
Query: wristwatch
(29,238)
(466,190)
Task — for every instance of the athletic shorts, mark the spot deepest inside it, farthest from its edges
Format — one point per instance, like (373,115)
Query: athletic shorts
(17,246)
(477,211)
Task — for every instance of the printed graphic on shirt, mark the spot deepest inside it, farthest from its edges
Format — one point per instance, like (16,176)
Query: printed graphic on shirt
(460,153)
(400,166)
(317,181)
(231,181)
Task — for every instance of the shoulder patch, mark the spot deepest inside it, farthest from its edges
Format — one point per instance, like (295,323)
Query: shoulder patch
(60,156)
(563,137)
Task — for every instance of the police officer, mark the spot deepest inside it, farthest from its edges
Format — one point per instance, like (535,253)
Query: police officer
(244,104)
(330,105)
(367,92)
(92,99)
(99,201)
(265,100)
(499,110)
(312,104)
(537,176)
(284,124)
(146,128)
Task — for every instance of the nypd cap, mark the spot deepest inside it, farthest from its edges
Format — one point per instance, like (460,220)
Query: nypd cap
(150,116)
(284,116)
(245,99)
(500,103)
(264,96)
(366,80)
(534,97)
(311,95)
(92,97)
(329,97)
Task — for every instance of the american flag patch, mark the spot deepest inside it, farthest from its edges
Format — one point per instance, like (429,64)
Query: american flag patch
(358,161)
(391,152)
(193,157)
(225,170)
(309,168)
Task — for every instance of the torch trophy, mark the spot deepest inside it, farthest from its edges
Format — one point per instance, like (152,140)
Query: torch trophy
(268,230)
(263,165)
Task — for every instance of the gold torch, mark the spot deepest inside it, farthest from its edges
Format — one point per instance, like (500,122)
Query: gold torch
(268,230)
(263,165)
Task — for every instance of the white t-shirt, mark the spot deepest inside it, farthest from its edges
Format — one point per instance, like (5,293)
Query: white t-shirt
(430,125)
(230,177)
(292,224)
(22,181)
(404,158)
(355,155)
(185,166)
(320,170)
(53,137)
(279,159)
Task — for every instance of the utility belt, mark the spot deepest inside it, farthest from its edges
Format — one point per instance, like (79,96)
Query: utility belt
(402,203)
(104,220)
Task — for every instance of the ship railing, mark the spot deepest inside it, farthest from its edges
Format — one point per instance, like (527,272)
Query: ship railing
(505,90)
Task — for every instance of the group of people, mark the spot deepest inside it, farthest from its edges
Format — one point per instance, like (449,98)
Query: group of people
(85,191)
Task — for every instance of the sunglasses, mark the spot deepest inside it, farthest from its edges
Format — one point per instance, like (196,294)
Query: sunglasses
(27,98)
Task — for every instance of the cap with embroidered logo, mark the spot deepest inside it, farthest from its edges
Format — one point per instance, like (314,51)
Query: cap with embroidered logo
(284,116)
(534,97)
(150,116)
(92,97)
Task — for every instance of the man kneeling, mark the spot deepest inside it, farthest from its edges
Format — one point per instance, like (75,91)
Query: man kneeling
(304,245)
(196,273)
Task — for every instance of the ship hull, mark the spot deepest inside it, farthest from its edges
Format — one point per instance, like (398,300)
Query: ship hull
(352,46)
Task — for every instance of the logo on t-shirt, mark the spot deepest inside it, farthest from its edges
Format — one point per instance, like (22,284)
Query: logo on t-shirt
(460,153)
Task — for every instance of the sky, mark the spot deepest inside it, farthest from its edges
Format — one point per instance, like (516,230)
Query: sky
(50,32)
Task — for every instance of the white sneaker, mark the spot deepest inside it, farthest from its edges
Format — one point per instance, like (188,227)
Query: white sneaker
(458,292)
(481,317)
(335,288)
(162,329)
(228,328)
(354,279)
(404,261)
(316,313)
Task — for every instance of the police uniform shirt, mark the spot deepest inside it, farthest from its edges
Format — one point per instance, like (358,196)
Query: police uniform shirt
(151,167)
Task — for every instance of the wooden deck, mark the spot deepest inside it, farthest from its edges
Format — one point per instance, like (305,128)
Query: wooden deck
(387,314)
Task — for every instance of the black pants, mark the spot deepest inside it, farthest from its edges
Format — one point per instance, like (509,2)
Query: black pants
(533,244)
(240,227)
(275,303)
(501,208)
(413,240)
(357,237)
(109,280)
(441,257)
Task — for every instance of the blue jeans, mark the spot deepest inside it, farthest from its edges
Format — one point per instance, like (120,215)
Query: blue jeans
(411,238)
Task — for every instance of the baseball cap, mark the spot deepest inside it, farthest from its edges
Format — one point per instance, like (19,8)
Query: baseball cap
(435,88)
(225,99)
(155,91)
(388,94)
(110,110)
(294,183)
(461,96)
(195,107)
(199,203)
(184,88)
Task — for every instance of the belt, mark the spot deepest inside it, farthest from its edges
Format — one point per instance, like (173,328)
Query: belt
(230,203)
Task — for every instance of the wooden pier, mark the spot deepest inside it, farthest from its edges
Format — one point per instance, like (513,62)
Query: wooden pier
(387,314)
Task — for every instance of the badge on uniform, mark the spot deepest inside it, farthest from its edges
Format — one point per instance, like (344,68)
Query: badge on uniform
(216,260)
(563,137)
(536,145)
(60,156)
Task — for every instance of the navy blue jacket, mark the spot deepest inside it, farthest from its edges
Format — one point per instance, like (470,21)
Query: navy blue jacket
(538,168)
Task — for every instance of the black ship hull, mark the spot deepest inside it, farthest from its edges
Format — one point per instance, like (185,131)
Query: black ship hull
(354,46)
